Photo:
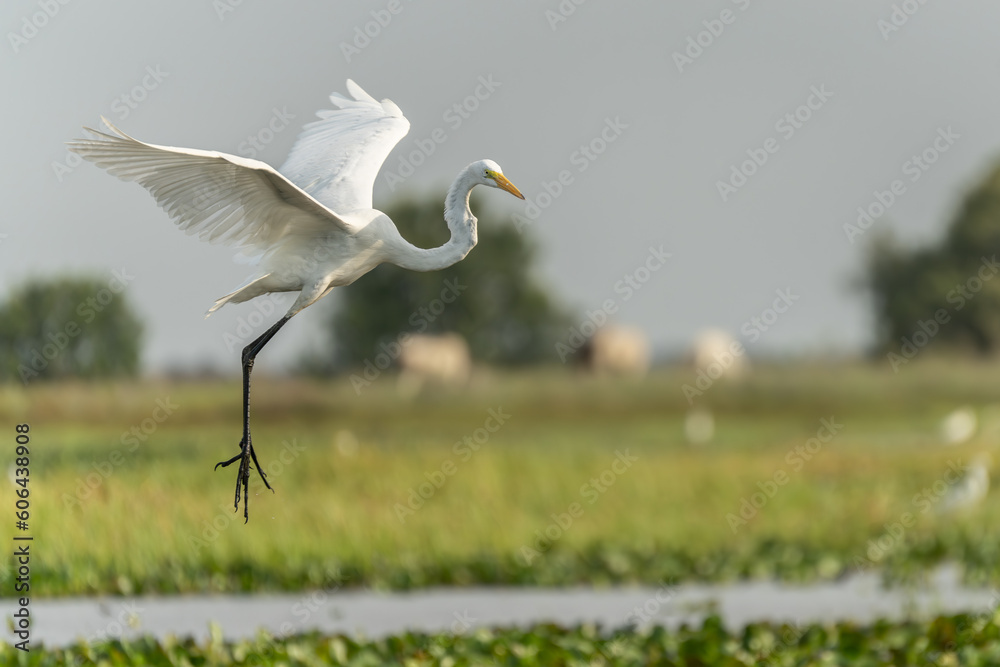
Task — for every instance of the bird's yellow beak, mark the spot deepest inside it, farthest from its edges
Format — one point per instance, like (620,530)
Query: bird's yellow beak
(506,185)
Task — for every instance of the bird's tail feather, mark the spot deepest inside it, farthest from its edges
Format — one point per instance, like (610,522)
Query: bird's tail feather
(244,292)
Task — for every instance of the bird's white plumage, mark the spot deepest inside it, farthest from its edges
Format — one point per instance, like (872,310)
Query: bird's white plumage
(222,198)
(337,158)
(310,226)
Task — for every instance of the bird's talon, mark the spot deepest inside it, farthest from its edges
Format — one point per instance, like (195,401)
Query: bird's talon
(362,134)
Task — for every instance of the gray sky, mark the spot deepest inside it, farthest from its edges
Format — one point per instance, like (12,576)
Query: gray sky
(211,75)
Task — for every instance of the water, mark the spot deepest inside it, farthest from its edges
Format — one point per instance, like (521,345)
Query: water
(58,622)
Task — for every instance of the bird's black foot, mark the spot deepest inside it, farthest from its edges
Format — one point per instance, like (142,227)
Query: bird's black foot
(243,474)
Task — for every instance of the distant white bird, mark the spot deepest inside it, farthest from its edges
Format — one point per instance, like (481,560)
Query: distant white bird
(958,426)
(971,489)
(699,426)
(310,226)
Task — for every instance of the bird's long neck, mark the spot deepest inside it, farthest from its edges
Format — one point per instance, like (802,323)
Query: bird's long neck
(460,221)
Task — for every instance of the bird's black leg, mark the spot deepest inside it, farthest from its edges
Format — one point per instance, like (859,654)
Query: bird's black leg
(246,446)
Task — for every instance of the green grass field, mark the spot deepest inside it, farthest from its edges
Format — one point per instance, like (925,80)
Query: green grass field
(585,481)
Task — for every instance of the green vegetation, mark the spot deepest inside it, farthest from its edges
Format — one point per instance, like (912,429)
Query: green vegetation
(943,292)
(972,640)
(81,327)
(124,498)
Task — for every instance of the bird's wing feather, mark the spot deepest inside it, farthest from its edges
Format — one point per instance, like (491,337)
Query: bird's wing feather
(222,198)
(336,158)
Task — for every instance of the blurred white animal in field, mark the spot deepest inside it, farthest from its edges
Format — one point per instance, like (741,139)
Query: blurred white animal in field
(699,426)
(717,347)
(346,443)
(959,426)
(443,359)
(971,489)
(618,351)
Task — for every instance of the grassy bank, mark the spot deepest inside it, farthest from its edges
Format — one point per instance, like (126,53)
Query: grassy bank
(537,478)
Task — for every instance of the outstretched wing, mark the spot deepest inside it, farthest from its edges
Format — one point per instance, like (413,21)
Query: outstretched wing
(222,198)
(336,158)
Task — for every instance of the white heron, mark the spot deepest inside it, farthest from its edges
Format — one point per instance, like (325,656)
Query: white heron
(309,226)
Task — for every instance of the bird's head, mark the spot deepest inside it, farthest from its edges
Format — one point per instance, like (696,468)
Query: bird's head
(489,173)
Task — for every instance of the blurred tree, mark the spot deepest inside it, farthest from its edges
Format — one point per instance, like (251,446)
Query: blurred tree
(79,327)
(950,291)
(490,297)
